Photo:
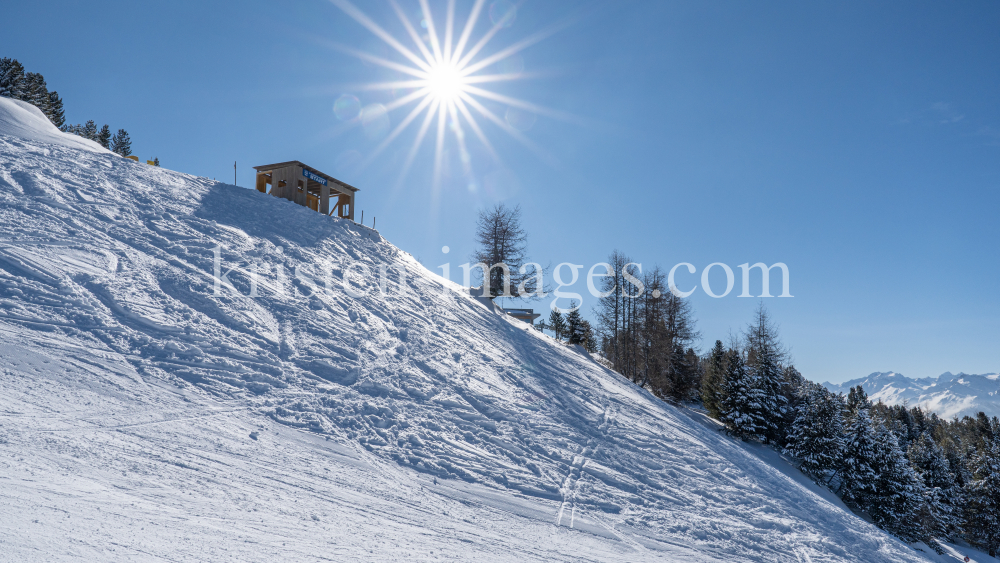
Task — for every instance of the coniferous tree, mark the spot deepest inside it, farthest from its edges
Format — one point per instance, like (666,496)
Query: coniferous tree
(713,381)
(11,78)
(898,493)
(121,144)
(36,92)
(816,437)
(589,338)
(557,324)
(796,389)
(57,115)
(741,412)
(982,511)
(90,132)
(957,465)
(574,325)
(857,466)
(857,399)
(940,515)
(693,373)
(104,137)
(682,372)
(765,356)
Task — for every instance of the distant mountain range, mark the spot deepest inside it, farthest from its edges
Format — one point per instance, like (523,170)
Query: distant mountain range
(947,395)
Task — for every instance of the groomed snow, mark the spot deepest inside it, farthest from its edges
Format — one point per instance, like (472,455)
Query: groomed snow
(145,418)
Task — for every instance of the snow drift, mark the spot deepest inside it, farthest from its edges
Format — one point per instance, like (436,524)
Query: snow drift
(145,416)
(21,120)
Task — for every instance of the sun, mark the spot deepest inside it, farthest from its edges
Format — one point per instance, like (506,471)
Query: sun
(445,82)
(446,77)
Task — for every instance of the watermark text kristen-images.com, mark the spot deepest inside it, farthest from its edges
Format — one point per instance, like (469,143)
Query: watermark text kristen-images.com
(357,279)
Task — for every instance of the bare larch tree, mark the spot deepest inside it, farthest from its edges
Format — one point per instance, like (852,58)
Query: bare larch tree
(502,247)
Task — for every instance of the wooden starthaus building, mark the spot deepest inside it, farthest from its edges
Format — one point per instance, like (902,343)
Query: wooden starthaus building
(307,187)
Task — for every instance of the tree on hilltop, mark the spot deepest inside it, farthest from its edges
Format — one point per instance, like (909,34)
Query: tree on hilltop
(104,136)
(11,78)
(557,324)
(121,144)
(574,325)
(57,115)
(90,131)
(503,249)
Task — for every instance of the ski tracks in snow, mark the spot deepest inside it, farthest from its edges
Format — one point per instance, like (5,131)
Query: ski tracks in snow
(571,483)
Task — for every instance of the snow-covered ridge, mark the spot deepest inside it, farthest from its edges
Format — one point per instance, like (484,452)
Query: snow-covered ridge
(948,395)
(142,412)
(22,120)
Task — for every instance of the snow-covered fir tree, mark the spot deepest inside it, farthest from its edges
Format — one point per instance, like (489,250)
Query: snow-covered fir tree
(36,92)
(742,403)
(30,87)
(898,493)
(765,356)
(857,466)
(11,78)
(795,389)
(574,325)
(816,437)
(982,509)
(856,399)
(942,496)
(57,115)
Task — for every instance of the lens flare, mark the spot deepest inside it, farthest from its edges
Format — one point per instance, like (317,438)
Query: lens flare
(446,74)
(346,107)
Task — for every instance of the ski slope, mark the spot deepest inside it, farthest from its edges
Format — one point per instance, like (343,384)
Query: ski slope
(145,418)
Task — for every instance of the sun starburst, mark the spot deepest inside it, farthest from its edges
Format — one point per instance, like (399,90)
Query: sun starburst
(446,79)
(445,82)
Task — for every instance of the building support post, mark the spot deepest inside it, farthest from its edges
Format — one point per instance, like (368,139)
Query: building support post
(324,199)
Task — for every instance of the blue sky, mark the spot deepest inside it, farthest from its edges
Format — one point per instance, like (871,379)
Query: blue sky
(857,143)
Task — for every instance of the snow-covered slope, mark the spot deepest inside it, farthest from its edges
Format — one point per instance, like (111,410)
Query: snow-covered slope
(144,417)
(23,121)
(948,395)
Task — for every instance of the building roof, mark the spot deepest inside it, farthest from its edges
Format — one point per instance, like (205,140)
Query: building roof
(329,178)
(523,314)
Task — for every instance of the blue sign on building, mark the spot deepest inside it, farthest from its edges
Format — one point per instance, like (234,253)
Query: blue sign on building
(312,176)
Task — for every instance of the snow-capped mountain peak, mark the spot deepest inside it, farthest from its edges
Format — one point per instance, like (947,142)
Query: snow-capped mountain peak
(948,395)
